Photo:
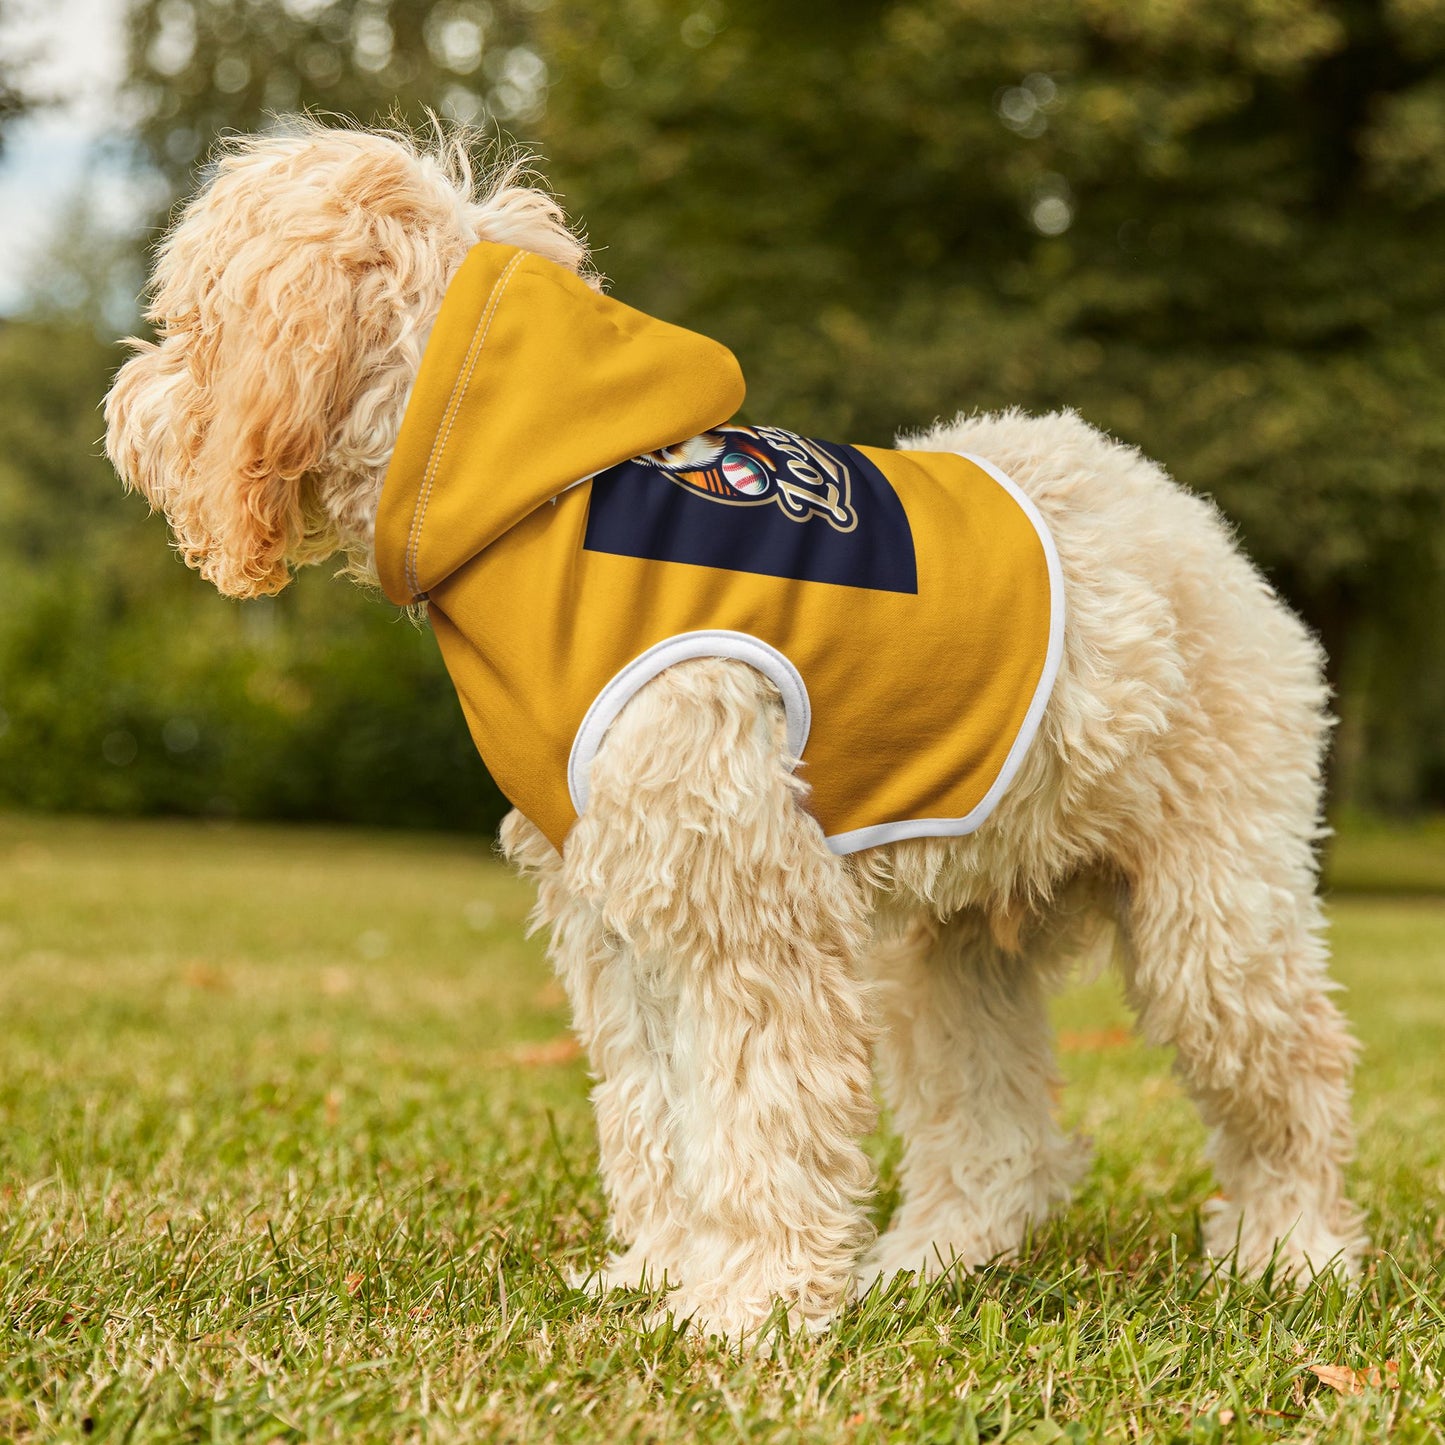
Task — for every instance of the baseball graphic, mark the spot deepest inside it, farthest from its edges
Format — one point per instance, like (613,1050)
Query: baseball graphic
(766,464)
(744,475)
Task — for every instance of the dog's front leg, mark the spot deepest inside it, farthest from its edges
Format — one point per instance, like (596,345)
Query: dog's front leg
(732,933)
(624,1024)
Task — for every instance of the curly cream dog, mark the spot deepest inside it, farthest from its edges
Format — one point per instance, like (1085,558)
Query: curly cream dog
(730,976)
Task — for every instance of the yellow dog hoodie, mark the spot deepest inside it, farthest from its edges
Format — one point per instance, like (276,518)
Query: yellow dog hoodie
(571,499)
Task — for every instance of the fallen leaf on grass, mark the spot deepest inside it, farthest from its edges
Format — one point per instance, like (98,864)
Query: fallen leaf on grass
(335,982)
(1091,1042)
(554,1051)
(30,856)
(1345,1381)
(354,1283)
(203,975)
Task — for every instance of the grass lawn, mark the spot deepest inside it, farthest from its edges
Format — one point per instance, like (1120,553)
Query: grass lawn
(292,1146)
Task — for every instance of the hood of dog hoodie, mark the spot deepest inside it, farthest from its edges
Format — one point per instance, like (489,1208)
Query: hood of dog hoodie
(571,499)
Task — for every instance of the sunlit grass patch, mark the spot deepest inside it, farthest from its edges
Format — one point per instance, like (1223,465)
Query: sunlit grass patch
(292,1146)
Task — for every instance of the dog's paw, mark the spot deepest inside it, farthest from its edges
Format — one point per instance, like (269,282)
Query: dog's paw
(632,1270)
(957,1243)
(896,1254)
(967,1227)
(1298,1245)
(753,1324)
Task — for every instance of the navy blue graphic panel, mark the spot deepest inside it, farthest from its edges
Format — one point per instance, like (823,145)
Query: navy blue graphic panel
(757,499)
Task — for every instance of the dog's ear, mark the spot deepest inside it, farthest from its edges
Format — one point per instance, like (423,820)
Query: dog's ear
(144,415)
(278,353)
(221,422)
(288,285)
(291,301)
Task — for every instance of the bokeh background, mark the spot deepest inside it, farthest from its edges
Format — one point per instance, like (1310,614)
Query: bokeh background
(1214,227)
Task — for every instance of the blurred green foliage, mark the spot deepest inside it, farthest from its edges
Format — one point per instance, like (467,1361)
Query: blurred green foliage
(127,686)
(1215,227)
(15,98)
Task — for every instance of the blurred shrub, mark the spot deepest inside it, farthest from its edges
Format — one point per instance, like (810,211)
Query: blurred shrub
(1215,227)
(227,711)
(128,686)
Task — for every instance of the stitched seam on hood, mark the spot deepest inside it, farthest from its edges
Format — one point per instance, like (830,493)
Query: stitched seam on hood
(459,390)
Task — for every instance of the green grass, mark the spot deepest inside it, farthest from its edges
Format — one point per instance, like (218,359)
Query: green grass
(1372,856)
(284,1155)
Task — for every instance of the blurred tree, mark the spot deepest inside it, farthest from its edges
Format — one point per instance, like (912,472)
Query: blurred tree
(202,67)
(127,685)
(15,98)
(58,495)
(1216,227)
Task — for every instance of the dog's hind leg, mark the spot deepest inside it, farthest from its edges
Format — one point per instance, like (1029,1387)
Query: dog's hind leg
(1226,962)
(966,1060)
(740,931)
(1225,955)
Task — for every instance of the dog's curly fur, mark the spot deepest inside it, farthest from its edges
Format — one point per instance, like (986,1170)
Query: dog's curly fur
(729,976)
